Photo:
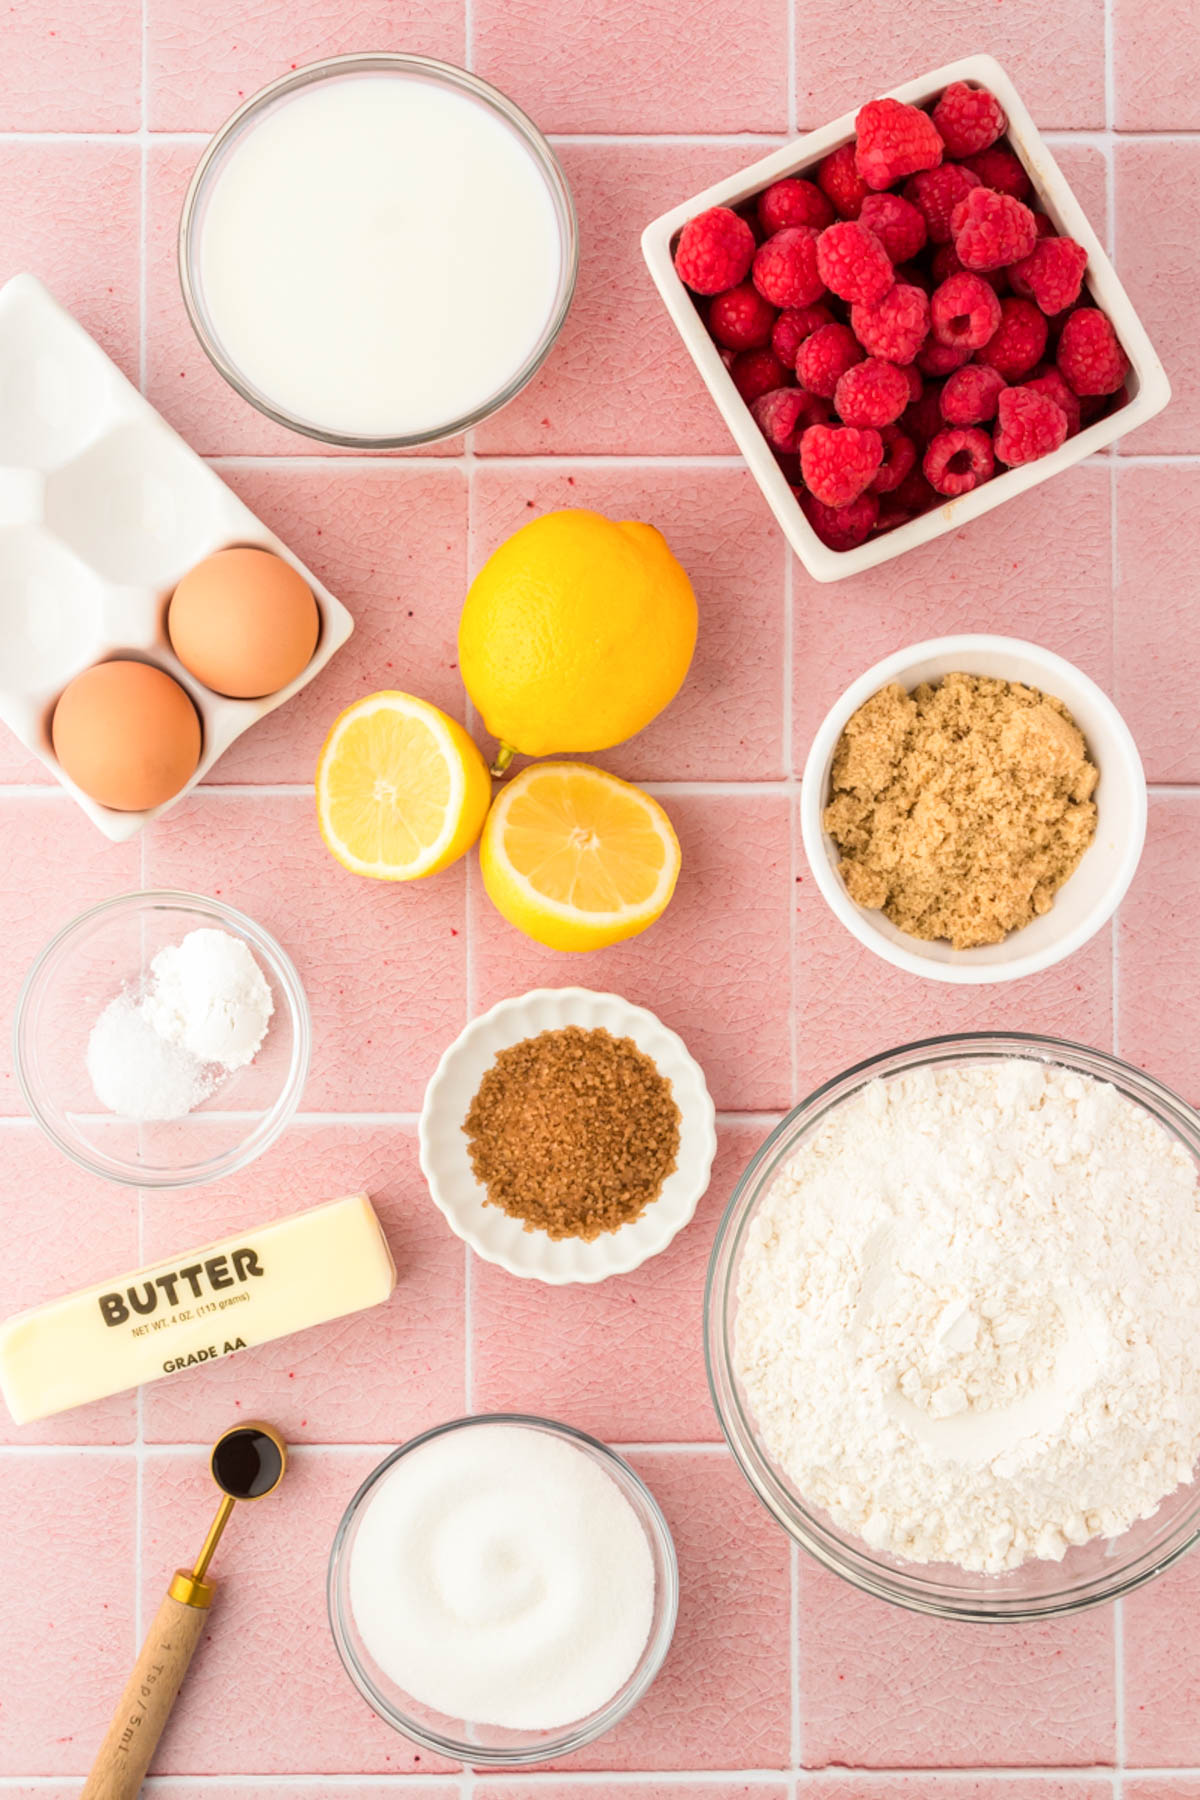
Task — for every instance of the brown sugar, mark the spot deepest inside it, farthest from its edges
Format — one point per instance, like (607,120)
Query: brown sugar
(960,809)
(573,1132)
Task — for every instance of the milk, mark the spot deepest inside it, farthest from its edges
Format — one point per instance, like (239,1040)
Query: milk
(379,255)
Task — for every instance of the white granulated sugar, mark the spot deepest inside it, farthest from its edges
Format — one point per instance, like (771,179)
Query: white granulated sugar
(967,1315)
(135,1074)
(210,996)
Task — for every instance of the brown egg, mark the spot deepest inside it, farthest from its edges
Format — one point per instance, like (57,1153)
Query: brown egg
(244,623)
(127,734)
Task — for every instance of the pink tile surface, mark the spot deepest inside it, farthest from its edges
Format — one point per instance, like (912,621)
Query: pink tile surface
(619,380)
(651,67)
(383,965)
(987,1695)
(1158,980)
(1056,59)
(770,1690)
(1158,663)
(404,585)
(206,56)
(715,967)
(55,1704)
(1157,220)
(71,68)
(567,1353)
(1154,92)
(376,1376)
(726,724)
(296,1710)
(1162,1672)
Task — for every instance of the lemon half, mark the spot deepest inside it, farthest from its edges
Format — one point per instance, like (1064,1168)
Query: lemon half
(402,791)
(577,859)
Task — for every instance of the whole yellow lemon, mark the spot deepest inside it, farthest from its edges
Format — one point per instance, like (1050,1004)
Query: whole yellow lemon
(576,633)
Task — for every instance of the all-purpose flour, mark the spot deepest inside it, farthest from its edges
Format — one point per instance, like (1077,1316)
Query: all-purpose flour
(969,1314)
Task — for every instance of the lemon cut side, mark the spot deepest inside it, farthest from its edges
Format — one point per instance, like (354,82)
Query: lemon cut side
(402,791)
(577,859)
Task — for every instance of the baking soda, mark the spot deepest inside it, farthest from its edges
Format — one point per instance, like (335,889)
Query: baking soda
(967,1310)
(500,1576)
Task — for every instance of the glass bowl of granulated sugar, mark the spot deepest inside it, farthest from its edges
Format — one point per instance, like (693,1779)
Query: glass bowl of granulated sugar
(949,1326)
(162,1039)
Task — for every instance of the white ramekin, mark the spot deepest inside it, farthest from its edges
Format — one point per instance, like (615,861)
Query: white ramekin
(489,1231)
(1149,388)
(1093,893)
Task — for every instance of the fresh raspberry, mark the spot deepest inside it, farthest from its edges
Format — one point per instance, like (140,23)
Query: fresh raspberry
(970,395)
(1001,169)
(1028,425)
(853,263)
(1051,383)
(741,319)
(782,415)
(991,230)
(896,326)
(916,386)
(823,358)
(1052,274)
(899,455)
(793,202)
(1017,342)
(840,527)
(1098,406)
(897,223)
(793,326)
(936,193)
(756,372)
(941,359)
(957,461)
(1045,225)
(964,312)
(785,269)
(839,180)
(969,119)
(873,392)
(894,140)
(839,462)
(923,419)
(714,251)
(946,263)
(913,497)
(1089,356)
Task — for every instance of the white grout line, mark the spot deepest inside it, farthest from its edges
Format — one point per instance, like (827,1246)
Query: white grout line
(1119,1692)
(734,140)
(908,1779)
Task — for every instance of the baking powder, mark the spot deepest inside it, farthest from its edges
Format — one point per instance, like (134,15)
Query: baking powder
(967,1314)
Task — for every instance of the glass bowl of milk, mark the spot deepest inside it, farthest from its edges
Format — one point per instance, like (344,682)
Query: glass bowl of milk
(503,1589)
(378,250)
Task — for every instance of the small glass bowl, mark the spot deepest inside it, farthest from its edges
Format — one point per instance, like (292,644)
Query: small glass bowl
(1089,1575)
(87,964)
(489,1746)
(337,68)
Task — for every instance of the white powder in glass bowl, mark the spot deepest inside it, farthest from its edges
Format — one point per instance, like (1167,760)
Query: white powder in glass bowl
(967,1314)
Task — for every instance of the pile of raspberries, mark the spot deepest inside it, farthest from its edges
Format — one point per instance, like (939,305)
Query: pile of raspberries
(905,321)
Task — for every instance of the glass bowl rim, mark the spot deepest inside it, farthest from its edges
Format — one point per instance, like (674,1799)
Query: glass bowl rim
(382,62)
(904,1585)
(271,1121)
(572,1737)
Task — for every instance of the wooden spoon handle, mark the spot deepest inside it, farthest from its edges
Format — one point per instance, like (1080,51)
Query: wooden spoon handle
(145,1706)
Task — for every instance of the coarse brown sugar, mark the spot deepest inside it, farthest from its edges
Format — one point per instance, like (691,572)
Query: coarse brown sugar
(960,809)
(573,1132)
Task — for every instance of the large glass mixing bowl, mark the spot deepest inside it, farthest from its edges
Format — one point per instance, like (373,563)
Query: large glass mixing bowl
(1089,1574)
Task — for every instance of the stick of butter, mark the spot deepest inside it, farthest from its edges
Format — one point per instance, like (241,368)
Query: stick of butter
(191,1309)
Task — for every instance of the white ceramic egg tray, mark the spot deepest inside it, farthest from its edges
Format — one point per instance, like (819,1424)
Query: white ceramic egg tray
(103,508)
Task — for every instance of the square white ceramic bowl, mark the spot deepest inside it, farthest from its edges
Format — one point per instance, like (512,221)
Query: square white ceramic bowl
(1148,386)
(1084,903)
